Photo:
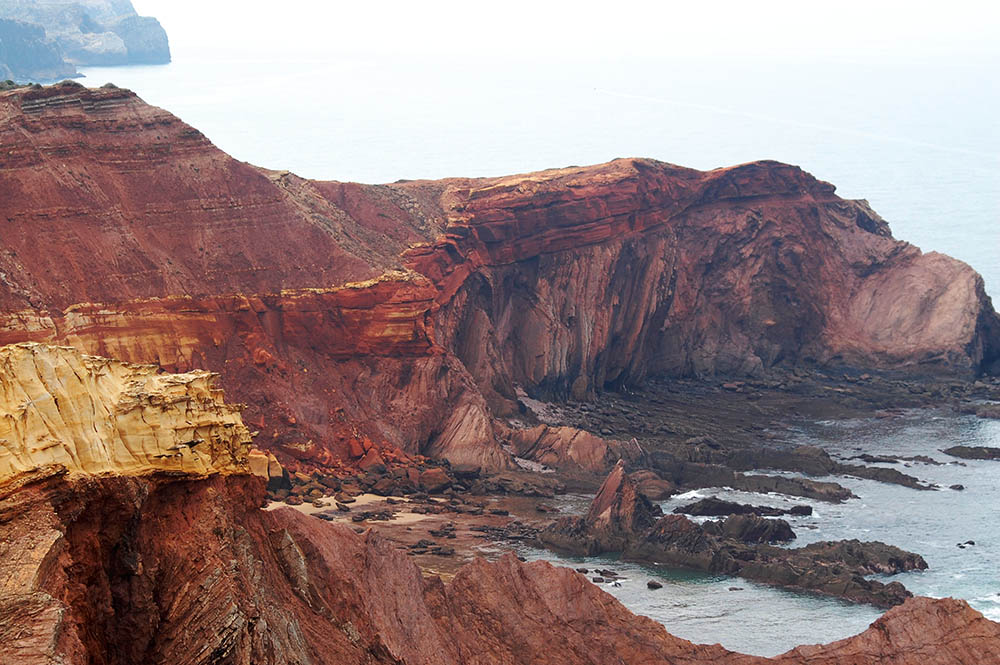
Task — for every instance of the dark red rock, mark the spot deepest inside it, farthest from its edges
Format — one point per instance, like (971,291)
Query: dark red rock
(395,314)
(434,480)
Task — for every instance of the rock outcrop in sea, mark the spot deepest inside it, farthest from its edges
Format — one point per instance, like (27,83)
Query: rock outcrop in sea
(621,520)
(45,39)
(410,315)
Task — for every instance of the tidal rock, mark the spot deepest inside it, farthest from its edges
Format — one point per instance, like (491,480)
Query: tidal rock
(572,449)
(618,522)
(715,507)
(651,485)
(751,528)
(92,569)
(973,452)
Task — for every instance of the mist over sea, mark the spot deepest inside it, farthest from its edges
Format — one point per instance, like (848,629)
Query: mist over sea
(920,141)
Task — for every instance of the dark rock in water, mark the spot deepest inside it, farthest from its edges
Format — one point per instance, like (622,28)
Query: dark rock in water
(957,487)
(923,459)
(751,529)
(876,459)
(973,452)
(736,588)
(597,580)
(620,520)
(582,571)
(653,584)
(715,507)
(697,474)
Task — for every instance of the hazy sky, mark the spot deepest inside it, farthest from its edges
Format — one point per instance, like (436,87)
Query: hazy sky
(842,29)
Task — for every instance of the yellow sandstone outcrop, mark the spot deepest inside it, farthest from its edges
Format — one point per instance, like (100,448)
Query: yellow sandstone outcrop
(95,415)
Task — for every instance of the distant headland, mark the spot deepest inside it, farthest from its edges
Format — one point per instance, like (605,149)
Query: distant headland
(45,40)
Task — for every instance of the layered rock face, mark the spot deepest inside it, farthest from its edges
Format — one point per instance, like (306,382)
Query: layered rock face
(84,32)
(178,566)
(92,571)
(93,415)
(411,314)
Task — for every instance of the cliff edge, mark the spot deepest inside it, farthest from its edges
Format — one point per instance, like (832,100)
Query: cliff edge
(411,314)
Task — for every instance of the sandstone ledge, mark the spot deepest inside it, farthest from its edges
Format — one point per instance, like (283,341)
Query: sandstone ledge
(92,415)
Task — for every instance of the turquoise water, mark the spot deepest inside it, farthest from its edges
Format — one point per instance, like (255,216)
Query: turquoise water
(920,141)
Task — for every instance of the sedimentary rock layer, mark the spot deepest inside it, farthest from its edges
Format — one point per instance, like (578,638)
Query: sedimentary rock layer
(86,414)
(411,314)
(182,567)
(92,571)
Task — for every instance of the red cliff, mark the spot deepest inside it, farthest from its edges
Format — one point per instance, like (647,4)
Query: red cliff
(91,572)
(407,314)
(150,546)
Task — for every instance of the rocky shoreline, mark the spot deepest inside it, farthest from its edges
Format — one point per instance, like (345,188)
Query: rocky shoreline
(426,366)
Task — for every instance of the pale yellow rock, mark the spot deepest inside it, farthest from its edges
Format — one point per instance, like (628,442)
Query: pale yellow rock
(259,463)
(95,415)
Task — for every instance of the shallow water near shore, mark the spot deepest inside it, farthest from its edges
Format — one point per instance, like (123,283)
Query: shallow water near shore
(754,618)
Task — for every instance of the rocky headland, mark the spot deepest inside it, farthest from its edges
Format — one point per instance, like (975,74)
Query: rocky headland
(46,39)
(447,355)
(419,315)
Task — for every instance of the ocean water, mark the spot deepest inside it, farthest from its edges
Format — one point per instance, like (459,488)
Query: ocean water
(918,140)
(766,621)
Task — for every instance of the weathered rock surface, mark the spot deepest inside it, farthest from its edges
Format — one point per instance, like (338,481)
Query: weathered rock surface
(410,314)
(621,520)
(93,571)
(81,32)
(92,415)
(182,568)
(572,449)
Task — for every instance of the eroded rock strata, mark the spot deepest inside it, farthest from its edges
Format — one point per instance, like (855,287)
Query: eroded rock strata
(622,520)
(86,414)
(410,315)
(150,565)
(92,573)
